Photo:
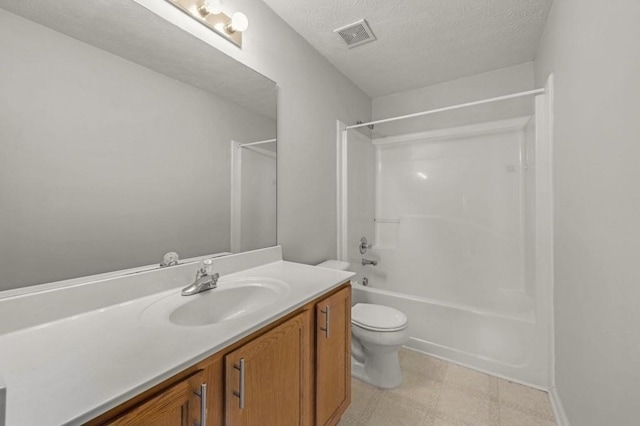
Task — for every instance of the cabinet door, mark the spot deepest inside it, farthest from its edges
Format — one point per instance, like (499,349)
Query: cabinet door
(179,405)
(268,380)
(333,357)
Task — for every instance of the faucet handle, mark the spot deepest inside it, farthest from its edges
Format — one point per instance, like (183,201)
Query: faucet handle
(207,266)
(169,259)
(364,245)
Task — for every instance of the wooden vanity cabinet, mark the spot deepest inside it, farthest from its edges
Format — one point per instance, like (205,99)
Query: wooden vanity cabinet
(333,357)
(268,380)
(180,404)
(292,372)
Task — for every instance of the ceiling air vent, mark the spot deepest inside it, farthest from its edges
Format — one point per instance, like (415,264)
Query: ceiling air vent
(356,34)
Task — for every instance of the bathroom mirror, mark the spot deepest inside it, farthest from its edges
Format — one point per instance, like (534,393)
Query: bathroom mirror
(122,137)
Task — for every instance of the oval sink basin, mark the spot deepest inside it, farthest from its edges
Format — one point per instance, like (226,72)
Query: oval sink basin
(223,304)
(233,299)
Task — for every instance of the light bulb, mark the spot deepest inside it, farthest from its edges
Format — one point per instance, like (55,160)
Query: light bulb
(239,22)
(210,7)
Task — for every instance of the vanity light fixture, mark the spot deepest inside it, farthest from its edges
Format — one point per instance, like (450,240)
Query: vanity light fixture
(210,14)
(210,7)
(239,22)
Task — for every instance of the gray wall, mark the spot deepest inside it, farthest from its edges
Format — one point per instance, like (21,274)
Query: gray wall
(312,95)
(503,81)
(592,48)
(104,164)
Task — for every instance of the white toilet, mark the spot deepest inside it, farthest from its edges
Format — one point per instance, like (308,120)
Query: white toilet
(377,333)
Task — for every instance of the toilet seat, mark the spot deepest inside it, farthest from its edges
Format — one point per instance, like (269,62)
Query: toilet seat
(377,317)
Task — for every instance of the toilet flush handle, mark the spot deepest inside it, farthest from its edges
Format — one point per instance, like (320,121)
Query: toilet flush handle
(327,320)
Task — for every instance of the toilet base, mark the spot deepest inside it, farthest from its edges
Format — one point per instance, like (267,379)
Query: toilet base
(382,371)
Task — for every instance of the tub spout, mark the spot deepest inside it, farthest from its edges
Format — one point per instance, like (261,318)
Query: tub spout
(366,262)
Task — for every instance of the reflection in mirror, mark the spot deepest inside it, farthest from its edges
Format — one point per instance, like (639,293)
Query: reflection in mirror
(253,194)
(122,138)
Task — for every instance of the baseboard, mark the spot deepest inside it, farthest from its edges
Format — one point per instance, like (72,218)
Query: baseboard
(558,409)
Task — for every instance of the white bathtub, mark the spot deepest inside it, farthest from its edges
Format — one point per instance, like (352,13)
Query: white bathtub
(499,344)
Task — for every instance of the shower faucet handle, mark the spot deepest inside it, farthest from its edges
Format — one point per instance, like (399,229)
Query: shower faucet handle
(364,245)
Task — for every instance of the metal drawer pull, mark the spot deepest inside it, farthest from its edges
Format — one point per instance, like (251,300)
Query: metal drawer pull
(240,394)
(203,405)
(327,320)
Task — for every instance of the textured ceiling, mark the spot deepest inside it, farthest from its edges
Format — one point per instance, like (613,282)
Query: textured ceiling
(126,29)
(420,42)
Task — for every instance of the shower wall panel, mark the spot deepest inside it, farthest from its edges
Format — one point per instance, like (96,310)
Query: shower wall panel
(451,220)
(360,193)
(529,194)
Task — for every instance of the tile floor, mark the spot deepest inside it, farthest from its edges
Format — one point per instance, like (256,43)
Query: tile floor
(439,393)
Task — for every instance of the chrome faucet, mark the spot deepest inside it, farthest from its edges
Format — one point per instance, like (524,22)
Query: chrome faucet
(204,279)
(366,262)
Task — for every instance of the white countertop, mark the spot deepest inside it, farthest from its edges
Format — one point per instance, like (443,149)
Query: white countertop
(70,370)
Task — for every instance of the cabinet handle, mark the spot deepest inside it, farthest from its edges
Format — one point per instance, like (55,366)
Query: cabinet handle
(203,405)
(327,320)
(240,393)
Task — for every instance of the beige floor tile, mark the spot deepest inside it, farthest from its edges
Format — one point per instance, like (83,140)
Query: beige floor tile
(459,407)
(363,399)
(420,389)
(347,420)
(438,393)
(444,422)
(416,362)
(512,417)
(413,403)
(524,398)
(393,411)
(440,421)
(402,352)
(471,380)
(362,387)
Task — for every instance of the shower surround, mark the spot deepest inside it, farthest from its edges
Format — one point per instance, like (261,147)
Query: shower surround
(453,218)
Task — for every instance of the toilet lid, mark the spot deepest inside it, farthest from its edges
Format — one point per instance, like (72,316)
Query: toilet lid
(377,317)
